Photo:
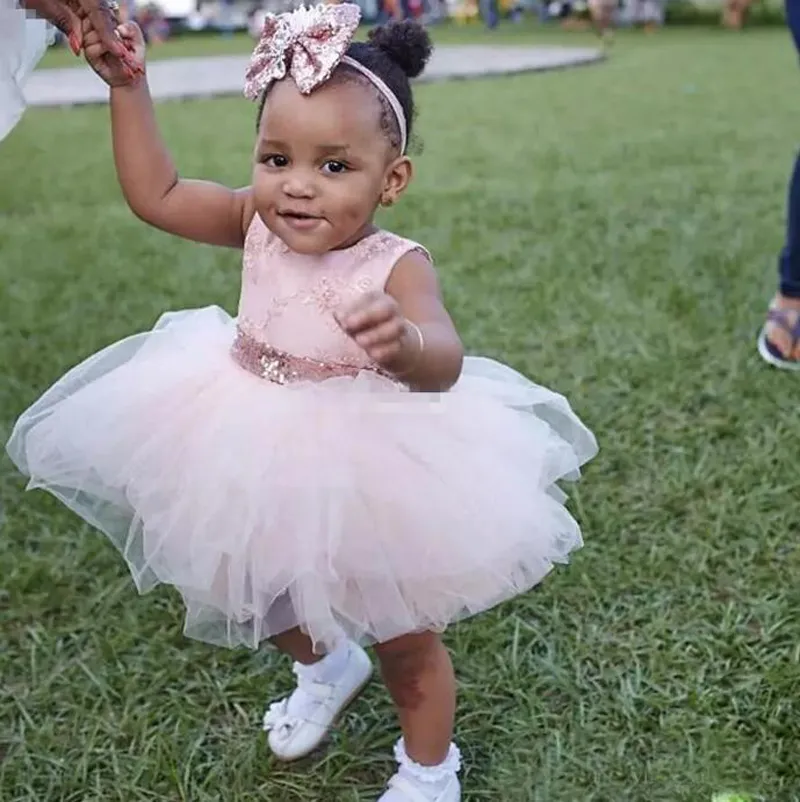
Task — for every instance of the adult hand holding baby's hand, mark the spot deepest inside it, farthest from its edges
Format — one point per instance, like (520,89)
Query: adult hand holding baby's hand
(66,15)
(376,323)
(111,69)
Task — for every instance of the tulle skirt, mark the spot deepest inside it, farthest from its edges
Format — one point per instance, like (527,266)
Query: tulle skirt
(349,507)
(23,41)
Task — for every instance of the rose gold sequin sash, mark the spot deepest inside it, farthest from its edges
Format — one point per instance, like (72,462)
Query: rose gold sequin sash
(277,366)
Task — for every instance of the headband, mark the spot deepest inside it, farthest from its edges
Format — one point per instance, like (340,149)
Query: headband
(309,43)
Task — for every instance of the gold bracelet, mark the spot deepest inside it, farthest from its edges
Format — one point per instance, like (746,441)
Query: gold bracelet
(416,362)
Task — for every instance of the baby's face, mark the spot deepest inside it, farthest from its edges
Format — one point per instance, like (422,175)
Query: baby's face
(320,165)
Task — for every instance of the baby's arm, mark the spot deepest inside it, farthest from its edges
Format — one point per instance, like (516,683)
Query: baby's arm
(414,285)
(197,210)
(406,329)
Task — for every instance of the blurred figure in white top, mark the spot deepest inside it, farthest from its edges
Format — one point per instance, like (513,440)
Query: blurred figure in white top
(26,32)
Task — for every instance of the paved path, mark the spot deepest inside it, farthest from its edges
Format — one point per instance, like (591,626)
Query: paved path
(223,75)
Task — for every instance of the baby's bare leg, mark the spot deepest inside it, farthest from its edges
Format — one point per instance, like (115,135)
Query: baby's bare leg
(297,645)
(419,675)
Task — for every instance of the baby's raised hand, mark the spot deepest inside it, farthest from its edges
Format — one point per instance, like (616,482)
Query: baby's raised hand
(376,323)
(114,71)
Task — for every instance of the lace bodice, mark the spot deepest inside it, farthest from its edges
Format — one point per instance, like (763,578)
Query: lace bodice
(288,299)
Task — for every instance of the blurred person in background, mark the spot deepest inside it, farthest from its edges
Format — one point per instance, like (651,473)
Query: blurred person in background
(153,23)
(647,13)
(490,12)
(602,13)
(256,17)
(226,22)
(779,340)
(734,13)
(24,40)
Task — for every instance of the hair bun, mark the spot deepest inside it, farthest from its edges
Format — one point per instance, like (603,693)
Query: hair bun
(406,43)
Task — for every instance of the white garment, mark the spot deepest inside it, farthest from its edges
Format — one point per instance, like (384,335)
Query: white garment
(23,41)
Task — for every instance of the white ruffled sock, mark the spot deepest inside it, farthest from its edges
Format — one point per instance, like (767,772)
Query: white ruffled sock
(430,781)
(327,670)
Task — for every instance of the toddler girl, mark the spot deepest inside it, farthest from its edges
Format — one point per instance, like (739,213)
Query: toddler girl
(325,471)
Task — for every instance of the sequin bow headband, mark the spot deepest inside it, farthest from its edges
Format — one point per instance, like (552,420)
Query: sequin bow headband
(308,44)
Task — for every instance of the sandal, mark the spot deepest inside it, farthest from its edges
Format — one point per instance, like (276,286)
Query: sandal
(788,321)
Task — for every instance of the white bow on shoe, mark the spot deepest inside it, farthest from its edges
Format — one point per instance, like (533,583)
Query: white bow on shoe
(277,718)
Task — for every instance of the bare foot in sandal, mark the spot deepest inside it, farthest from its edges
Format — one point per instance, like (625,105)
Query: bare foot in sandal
(779,341)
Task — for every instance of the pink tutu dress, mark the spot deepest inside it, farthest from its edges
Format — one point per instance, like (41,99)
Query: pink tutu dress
(264,468)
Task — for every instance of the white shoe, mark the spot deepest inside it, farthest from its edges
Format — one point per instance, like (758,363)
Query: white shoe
(415,783)
(293,737)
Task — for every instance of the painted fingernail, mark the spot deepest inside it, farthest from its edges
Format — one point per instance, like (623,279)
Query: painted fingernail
(74,43)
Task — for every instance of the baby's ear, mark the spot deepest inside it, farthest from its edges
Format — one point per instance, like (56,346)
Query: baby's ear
(398,176)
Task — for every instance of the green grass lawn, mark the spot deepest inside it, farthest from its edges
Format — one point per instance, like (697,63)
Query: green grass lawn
(611,231)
